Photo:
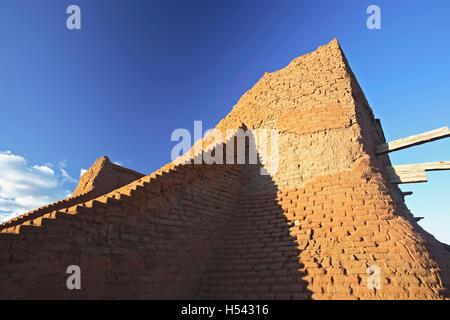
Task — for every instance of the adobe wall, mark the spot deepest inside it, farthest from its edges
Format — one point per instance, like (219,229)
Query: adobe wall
(338,205)
(151,239)
(103,177)
(61,204)
(225,231)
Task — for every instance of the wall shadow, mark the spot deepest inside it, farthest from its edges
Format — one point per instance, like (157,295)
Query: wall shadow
(197,231)
(257,258)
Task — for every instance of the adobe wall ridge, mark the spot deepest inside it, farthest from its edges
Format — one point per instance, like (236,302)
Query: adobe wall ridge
(127,170)
(58,205)
(104,176)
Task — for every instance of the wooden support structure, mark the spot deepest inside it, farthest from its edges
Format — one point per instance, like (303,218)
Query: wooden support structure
(405,177)
(414,173)
(413,140)
(427,166)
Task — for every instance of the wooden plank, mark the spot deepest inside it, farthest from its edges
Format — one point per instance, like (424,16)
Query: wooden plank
(414,177)
(413,173)
(427,166)
(405,177)
(413,140)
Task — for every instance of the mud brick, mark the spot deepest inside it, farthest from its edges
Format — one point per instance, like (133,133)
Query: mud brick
(226,231)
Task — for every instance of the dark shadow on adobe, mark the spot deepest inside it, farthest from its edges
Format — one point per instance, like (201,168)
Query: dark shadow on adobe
(257,257)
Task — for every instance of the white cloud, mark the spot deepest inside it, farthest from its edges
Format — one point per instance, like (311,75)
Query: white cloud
(82,171)
(45,169)
(62,164)
(66,177)
(25,187)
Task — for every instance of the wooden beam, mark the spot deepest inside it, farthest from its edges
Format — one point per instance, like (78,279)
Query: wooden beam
(427,166)
(413,140)
(413,173)
(405,177)
(407,193)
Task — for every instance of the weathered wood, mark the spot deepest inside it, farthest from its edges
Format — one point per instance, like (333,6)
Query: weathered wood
(413,173)
(405,177)
(413,140)
(426,166)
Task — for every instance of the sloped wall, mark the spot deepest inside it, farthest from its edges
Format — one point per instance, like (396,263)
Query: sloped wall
(332,189)
(151,239)
(309,230)
(103,177)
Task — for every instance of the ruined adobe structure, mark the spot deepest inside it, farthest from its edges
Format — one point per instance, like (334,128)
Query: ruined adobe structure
(103,177)
(310,230)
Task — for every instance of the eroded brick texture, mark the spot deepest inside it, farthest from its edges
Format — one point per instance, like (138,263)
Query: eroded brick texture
(104,176)
(310,230)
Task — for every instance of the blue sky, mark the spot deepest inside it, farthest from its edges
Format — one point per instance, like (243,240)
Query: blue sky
(137,70)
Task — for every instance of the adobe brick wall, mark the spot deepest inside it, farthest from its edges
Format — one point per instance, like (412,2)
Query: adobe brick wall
(104,176)
(225,231)
(150,239)
(61,204)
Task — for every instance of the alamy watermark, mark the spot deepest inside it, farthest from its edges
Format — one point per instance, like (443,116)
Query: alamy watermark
(374,20)
(374,280)
(74,20)
(257,146)
(74,280)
